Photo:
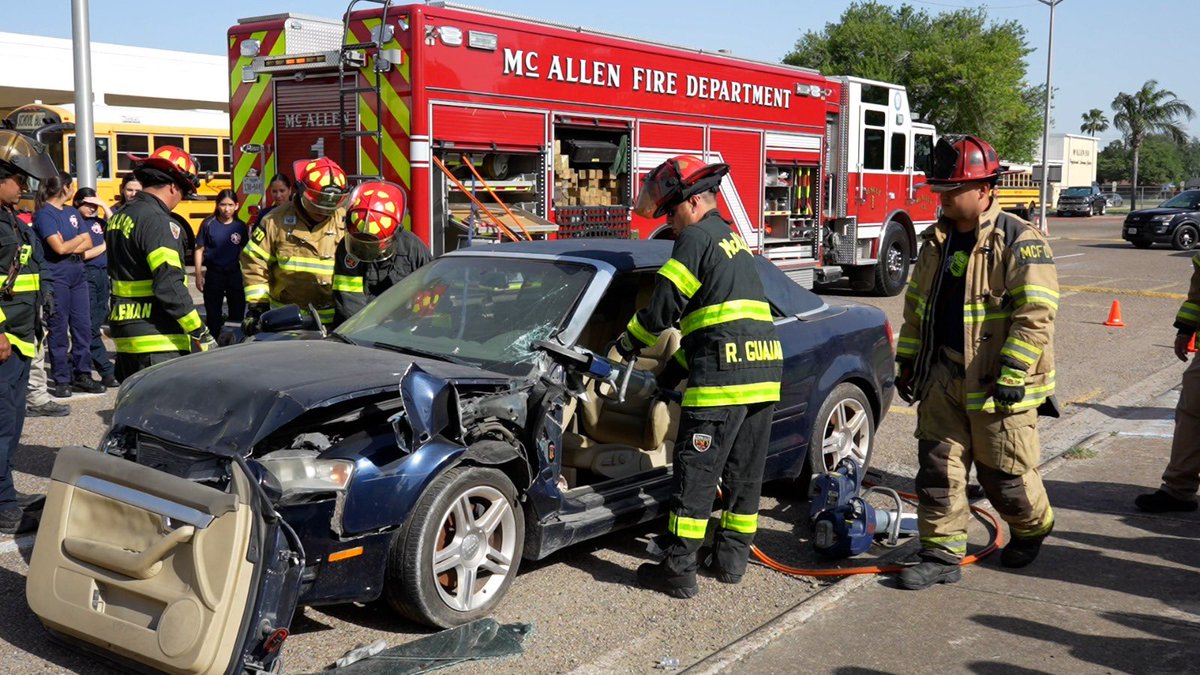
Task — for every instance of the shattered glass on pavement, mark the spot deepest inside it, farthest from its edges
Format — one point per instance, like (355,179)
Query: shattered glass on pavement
(481,639)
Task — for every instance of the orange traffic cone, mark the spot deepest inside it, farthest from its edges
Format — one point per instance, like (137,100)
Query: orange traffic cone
(1192,344)
(1114,315)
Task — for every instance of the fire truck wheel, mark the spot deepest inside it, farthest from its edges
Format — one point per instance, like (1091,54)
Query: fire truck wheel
(891,272)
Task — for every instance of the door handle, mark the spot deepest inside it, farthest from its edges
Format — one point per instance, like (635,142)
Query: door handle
(133,564)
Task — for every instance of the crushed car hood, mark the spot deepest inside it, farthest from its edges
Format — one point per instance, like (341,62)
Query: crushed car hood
(228,400)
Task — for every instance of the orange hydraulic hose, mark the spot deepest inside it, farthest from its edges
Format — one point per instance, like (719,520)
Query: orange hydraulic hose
(496,197)
(499,225)
(996,542)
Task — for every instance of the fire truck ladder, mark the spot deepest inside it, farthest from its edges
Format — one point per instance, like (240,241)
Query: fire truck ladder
(354,56)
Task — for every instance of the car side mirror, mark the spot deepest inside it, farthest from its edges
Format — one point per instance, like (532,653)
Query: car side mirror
(287,317)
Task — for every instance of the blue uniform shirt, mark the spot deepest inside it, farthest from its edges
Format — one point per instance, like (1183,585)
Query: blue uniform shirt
(222,243)
(68,222)
(96,227)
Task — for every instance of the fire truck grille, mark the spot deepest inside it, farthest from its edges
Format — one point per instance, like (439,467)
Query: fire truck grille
(575,222)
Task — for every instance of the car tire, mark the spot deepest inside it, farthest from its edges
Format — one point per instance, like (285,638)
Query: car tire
(895,257)
(430,592)
(1103,208)
(1141,243)
(844,427)
(1184,238)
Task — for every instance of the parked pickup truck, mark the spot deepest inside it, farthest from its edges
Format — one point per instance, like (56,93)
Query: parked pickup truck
(1083,200)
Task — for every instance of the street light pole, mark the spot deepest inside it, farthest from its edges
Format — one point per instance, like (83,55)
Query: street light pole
(1046,119)
(85,144)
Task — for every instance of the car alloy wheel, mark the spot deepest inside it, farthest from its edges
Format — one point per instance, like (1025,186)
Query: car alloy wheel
(458,550)
(845,427)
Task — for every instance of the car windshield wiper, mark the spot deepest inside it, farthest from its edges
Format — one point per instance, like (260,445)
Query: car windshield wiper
(341,338)
(422,352)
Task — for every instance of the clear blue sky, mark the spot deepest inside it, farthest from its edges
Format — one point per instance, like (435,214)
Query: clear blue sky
(1101,47)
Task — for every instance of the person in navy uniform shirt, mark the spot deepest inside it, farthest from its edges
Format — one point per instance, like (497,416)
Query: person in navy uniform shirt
(95,262)
(218,274)
(61,229)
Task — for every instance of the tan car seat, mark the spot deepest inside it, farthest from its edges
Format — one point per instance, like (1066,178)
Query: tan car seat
(616,440)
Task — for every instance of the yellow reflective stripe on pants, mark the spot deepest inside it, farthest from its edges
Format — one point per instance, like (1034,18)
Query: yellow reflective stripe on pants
(740,523)
(26,348)
(347,284)
(133,289)
(190,321)
(636,329)
(679,275)
(733,394)
(309,265)
(257,292)
(908,346)
(956,544)
(1021,351)
(734,310)
(687,528)
(163,256)
(146,344)
(26,283)
(1047,524)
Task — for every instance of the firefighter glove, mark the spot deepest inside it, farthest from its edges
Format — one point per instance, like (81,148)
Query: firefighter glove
(1010,386)
(625,347)
(202,340)
(905,376)
(250,323)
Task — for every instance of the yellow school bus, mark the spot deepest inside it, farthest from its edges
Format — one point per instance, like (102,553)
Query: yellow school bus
(1018,193)
(121,131)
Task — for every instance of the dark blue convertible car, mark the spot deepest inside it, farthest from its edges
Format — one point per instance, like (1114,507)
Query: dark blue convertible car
(454,427)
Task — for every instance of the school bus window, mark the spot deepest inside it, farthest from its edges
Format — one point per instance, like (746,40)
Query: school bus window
(103,162)
(127,144)
(226,156)
(899,149)
(205,151)
(160,141)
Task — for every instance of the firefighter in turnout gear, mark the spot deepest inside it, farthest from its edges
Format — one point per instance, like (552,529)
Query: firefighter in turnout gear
(152,316)
(1181,479)
(377,252)
(976,350)
(733,362)
(290,256)
(20,284)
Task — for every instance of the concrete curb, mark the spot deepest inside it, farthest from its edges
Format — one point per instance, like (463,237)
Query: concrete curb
(725,659)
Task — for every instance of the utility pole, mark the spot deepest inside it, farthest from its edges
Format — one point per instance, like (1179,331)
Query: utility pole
(85,142)
(1046,119)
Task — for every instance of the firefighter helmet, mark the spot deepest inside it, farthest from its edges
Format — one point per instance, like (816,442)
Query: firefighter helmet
(21,154)
(374,214)
(174,163)
(322,184)
(958,160)
(674,181)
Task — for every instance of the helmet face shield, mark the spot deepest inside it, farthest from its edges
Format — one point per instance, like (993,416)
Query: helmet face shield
(374,216)
(370,248)
(658,189)
(322,184)
(26,156)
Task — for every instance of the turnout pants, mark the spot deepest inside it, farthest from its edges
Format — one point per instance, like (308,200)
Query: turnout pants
(14,381)
(727,443)
(128,364)
(1182,476)
(1004,449)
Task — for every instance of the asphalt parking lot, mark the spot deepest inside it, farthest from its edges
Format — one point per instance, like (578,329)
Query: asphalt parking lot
(587,612)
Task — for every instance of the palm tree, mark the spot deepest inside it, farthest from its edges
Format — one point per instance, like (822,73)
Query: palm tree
(1094,122)
(1149,110)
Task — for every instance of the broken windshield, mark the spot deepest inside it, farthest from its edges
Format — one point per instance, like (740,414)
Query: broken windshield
(479,309)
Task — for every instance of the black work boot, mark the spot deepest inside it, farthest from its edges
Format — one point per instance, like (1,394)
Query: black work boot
(1161,502)
(86,385)
(14,521)
(654,577)
(929,571)
(708,563)
(1023,550)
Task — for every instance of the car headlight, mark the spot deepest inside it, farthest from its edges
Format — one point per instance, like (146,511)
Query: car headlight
(301,473)
(1162,219)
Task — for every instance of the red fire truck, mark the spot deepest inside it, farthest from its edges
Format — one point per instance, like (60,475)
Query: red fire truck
(504,126)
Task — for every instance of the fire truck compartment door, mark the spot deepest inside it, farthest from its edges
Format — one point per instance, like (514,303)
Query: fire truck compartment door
(457,127)
(145,565)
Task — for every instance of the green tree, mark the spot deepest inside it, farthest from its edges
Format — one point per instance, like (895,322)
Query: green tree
(1149,110)
(1094,122)
(1112,163)
(963,73)
(1161,162)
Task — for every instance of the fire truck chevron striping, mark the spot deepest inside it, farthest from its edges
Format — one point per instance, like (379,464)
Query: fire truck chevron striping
(562,122)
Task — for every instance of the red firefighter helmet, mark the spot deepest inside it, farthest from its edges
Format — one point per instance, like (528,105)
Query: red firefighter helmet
(674,181)
(322,184)
(375,212)
(958,160)
(175,163)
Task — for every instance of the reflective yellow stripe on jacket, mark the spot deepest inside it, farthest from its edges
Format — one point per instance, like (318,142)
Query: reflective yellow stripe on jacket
(27,283)
(347,284)
(679,275)
(734,310)
(982,401)
(733,394)
(163,256)
(133,289)
(149,344)
(256,292)
(26,348)
(307,265)
(638,331)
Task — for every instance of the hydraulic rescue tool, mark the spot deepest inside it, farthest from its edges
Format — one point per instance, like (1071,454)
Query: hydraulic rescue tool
(844,523)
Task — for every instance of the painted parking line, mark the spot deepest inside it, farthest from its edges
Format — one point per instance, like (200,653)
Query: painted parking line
(1124,291)
(1072,255)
